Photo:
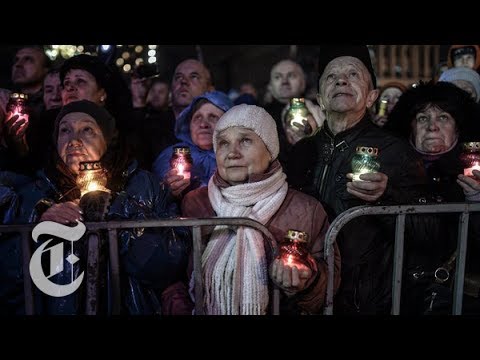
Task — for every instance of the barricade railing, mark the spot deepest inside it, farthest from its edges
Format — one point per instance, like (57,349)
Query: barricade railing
(401,211)
(93,253)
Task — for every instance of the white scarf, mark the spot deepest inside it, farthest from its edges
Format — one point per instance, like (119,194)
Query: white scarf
(234,263)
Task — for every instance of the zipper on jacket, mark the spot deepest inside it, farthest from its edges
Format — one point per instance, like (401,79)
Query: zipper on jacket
(321,187)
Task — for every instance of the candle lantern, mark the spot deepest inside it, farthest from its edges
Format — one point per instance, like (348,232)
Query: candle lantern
(296,117)
(364,161)
(293,250)
(182,161)
(382,108)
(470,157)
(95,197)
(16,104)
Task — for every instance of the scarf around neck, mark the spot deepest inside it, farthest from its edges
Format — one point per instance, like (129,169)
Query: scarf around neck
(234,263)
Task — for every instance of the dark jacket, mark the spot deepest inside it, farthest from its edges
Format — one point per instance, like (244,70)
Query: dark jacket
(431,239)
(151,259)
(318,166)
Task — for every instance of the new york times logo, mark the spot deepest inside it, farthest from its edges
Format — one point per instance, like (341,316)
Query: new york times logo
(55,252)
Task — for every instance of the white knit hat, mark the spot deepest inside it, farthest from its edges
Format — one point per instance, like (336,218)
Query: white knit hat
(254,118)
(463,73)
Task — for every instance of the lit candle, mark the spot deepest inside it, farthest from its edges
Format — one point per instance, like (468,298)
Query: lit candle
(91,177)
(364,161)
(469,171)
(181,160)
(293,250)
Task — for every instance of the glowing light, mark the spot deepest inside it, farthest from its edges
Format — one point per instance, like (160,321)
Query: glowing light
(152,46)
(105,47)
(127,67)
(152,59)
(138,48)
(152,52)
(469,171)
(126,55)
(119,62)
(138,61)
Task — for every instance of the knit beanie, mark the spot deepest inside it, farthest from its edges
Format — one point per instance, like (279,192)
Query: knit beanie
(254,118)
(105,121)
(462,73)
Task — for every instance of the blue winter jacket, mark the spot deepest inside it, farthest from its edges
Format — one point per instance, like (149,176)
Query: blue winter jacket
(150,259)
(204,163)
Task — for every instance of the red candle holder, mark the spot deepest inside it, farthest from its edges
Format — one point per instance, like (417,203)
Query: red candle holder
(293,251)
(182,161)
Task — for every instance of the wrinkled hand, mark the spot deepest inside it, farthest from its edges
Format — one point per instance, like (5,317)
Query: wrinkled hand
(371,188)
(470,186)
(291,279)
(176,183)
(317,113)
(63,213)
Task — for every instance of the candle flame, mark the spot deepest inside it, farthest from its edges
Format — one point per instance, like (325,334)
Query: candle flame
(289,260)
(180,169)
(469,171)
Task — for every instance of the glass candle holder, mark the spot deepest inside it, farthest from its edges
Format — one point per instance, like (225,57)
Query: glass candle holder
(182,161)
(17,104)
(297,114)
(364,161)
(293,250)
(470,158)
(91,177)
(382,108)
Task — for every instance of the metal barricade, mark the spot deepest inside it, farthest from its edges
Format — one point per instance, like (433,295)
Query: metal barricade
(92,269)
(401,211)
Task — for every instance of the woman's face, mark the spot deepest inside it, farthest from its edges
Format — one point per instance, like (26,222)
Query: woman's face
(79,139)
(81,85)
(240,153)
(434,130)
(202,124)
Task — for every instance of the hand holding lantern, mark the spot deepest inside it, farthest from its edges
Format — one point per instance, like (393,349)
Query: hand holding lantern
(364,161)
(95,197)
(296,120)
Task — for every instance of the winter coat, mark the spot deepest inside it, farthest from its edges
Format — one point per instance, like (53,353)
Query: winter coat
(151,259)
(318,166)
(298,211)
(204,162)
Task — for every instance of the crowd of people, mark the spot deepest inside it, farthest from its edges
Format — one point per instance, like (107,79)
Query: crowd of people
(249,159)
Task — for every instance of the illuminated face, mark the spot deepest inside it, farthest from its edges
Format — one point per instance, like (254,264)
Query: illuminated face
(191,79)
(344,86)
(28,67)
(465,60)
(79,139)
(202,124)
(52,91)
(240,154)
(79,84)
(434,130)
(158,95)
(287,81)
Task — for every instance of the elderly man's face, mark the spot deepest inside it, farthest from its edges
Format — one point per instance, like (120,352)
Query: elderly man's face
(191,79)
(240,153)
(434,130)
(202,124)
(79,139)
(345,86)
(286,81)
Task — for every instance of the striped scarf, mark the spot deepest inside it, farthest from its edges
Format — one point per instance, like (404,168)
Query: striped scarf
(234,262)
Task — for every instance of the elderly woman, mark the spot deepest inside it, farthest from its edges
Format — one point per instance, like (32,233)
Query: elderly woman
(249,182)
(436,119)
(152,259)
(194,128)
